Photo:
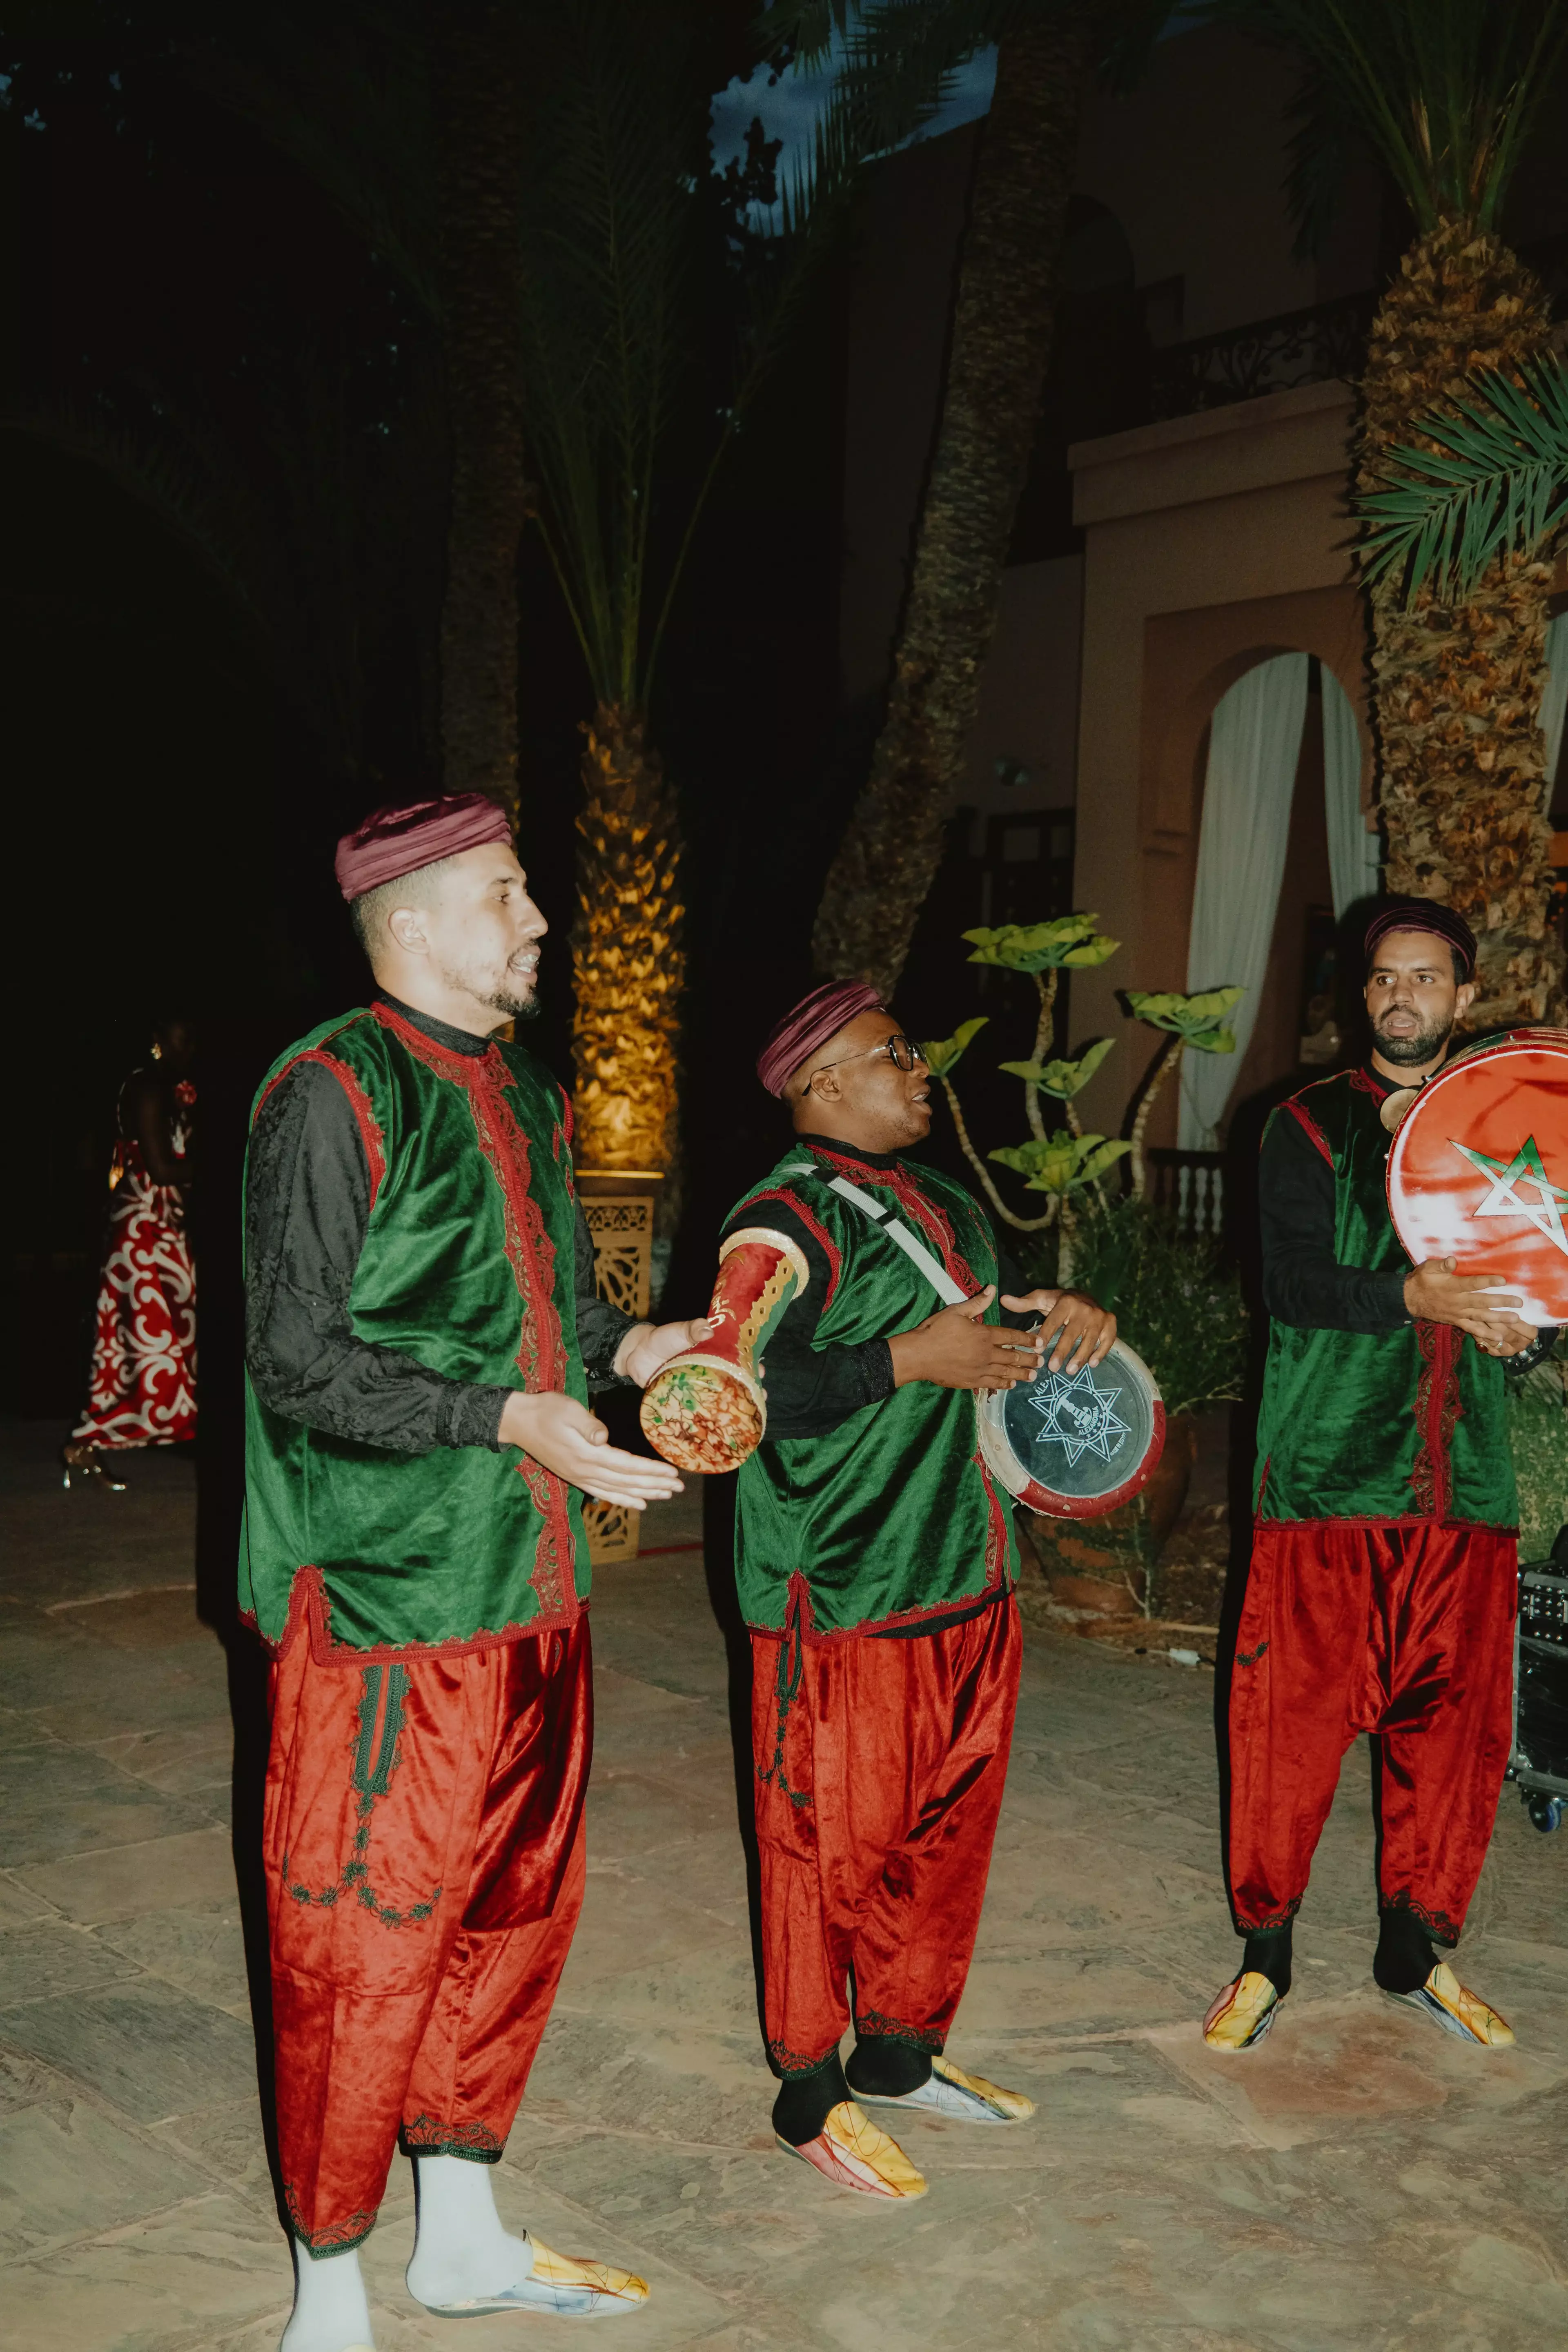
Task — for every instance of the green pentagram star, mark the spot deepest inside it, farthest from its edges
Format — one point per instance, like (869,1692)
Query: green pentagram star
(1503,1200)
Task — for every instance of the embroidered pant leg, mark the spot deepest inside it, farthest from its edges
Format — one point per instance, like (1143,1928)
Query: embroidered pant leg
(524,1894)
(1442,1706)
(931,1823)
(379,1815)
(1300,1650)
(878,1785)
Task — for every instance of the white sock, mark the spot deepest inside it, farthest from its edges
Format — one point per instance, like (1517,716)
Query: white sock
(330,2307)
(460,2249)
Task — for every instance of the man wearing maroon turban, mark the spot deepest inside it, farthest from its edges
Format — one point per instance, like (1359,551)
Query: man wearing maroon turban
(876,1564)
(422,1336)
(1381,1592)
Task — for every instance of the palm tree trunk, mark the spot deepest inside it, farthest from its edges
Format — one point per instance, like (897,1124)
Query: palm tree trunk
(1456,691)
(997,361)
(627,961)
(474,51)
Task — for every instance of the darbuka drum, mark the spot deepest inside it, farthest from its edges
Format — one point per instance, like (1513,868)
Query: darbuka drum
(1076,1444)
(1479,1170)
(705,1409)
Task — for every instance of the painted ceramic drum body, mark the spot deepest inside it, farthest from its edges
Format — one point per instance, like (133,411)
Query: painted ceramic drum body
(1479,1170)
(705,1409)
(1076,1444)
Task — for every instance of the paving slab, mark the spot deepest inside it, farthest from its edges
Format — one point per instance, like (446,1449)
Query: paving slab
(1358,2183)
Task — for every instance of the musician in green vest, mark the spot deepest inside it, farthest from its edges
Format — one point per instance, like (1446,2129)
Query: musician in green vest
(1381,1593)
(875,1563)
(422,1336)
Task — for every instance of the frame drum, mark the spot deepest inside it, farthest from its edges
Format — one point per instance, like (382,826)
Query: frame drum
(1076,1444)
(1479,1170)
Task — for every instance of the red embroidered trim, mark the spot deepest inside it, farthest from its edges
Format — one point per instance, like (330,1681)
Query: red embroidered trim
(568,1119)
(925,1212)
(359,1103)
(542,1353)
(1310,1128)
(1366,1084)
(800,1601)
(819,1231)
(1408,1519)
(310,1614)
(1437,1412)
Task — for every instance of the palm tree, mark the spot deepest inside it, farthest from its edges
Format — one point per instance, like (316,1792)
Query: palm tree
(896,57)
(1445,93)
(615,209)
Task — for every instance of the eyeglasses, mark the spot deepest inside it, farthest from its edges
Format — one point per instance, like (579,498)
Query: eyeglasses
(901,1051)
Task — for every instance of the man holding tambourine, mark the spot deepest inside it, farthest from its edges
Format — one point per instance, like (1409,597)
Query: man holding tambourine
(1382,1587)
(876,1562)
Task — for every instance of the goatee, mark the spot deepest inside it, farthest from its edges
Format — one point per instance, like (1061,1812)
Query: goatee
(1408,1052)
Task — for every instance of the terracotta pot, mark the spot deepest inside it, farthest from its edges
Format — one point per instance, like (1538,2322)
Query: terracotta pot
(1090,1564)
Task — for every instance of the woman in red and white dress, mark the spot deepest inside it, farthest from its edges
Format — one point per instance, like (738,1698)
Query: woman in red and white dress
(143,1382)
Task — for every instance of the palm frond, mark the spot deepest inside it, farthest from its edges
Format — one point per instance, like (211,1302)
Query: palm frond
(1445,92)
(1498,481)
(608,205)
(345,99)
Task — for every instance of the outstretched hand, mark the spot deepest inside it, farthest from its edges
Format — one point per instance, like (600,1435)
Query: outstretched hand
(568,1439)
(1475,1303)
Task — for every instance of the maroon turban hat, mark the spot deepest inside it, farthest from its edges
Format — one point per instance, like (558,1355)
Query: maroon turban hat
(815,1019)
(405,835)
(1424,915)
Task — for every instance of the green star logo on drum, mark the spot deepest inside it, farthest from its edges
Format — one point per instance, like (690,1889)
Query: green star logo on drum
(1545,1212)
(1079,1415)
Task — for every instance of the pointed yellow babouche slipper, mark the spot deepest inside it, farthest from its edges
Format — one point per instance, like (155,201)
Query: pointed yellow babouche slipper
(963,2098)
(560,2286)
(1243,2014)
(851,2152)
(1451,2005)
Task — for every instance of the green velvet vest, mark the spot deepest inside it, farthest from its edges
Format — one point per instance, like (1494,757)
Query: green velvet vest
(890,1518)
(466,1266)
(1406,1425)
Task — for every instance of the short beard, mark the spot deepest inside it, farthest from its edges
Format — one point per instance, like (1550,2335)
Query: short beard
(515,999)
(1410,1052)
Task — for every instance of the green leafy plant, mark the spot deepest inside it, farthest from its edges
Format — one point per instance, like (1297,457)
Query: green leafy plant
(1174,1303)
(1062,1163)
(1197,1021)
(1538,1440)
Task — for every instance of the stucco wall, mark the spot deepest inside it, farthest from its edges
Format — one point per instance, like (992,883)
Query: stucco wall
(1213,542)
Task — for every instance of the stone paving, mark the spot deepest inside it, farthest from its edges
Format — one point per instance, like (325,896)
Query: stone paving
(1360,2181)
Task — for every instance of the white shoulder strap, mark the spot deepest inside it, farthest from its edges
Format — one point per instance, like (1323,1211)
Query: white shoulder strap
(930,1266)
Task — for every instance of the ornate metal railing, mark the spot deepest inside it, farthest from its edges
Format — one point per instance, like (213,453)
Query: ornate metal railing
(1269,355)
(1309,346)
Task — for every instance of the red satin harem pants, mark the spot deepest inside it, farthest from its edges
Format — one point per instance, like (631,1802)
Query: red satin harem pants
(880,1769)
(425,1861)
(1404,1632)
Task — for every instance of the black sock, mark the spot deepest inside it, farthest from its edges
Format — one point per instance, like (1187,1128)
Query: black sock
(1404,1957)
(805,2101)
(1269,1952)
(884,2069)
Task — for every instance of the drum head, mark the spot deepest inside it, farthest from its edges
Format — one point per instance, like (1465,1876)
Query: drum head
(1479,1172)
(1076,1444)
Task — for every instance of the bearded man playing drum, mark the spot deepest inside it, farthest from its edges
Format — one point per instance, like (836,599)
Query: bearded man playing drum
(1381,1595)
(875,1563)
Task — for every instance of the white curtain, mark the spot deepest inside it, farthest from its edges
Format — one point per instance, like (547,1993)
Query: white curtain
(1352,851)
(1254,741)
(1554,700)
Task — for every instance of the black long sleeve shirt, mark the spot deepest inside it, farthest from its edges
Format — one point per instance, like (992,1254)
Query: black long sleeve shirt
(306,1210)
(1303,1282)
(810,1390)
